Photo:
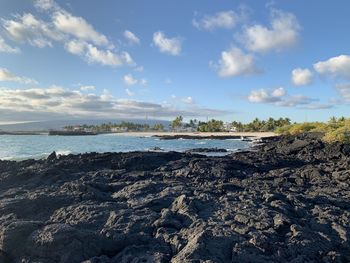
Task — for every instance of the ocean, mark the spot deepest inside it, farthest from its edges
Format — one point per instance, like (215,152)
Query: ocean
(20,147)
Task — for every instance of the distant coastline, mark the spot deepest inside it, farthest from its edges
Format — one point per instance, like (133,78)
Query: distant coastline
(166,135)
(22,133)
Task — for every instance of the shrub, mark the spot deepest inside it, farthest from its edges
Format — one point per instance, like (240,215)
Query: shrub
(336,130)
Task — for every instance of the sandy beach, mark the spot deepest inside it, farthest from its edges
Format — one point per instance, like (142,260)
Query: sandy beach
(201,134)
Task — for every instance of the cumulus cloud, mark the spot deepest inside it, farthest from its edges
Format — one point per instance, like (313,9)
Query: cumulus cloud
(265,96)
(279,97)
(6,48)
(344,91)
(130,80)
(107,57)
(131,37)
(78,27)
(93,54)
(75,46)
(166,45)
(188,100)
(283,33)
(27,28)
(302,77)
(336,67)
(234,62)
(224,19)
(6,75)
(78,36)
(59,102)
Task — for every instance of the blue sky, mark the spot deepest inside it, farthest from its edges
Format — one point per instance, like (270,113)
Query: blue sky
(233,60)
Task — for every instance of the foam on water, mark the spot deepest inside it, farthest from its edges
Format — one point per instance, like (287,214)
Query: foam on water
(40,146)
(63,152)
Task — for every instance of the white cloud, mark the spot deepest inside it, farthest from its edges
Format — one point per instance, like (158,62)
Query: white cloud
(166,45)
(344,91)
(57,102)
(279,97)
(234,62)
(302,77)
(88,88)
(188,100)
(78,27)
(130,80)
(78,36)
(6,48)
(129,92)
(6,75)
(265,96)
(131,37)
(224,19)
(278,93)
(93,54)
(75,46)
(336,66)
(29,29)
(107,57)
(283,33)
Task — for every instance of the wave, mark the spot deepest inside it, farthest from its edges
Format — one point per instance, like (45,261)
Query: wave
(63,152)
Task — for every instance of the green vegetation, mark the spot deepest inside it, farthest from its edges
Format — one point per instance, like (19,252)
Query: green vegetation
(158,127)
(335,130)
(177,123)
(211,126)
(257,125)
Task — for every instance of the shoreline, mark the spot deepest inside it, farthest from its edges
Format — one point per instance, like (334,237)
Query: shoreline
(168,135)
(200,134)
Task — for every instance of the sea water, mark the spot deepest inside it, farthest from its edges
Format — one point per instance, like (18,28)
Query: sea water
(19,147)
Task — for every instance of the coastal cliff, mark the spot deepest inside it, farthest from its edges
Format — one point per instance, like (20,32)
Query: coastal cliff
(287,200)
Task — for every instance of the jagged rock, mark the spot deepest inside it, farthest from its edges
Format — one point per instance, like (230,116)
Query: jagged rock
(206,150)
(286,201)
(51,157)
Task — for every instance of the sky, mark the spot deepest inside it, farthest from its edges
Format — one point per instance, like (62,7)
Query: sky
(225,59)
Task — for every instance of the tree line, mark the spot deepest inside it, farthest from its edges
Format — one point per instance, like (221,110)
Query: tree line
(178,124)
(213,125)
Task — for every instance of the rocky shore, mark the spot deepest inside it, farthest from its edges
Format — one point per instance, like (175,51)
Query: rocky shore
(286,201)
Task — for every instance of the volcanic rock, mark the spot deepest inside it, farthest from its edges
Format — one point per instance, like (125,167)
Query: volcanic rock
(286,201)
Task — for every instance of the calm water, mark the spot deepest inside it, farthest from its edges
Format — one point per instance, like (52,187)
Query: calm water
(14,147)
